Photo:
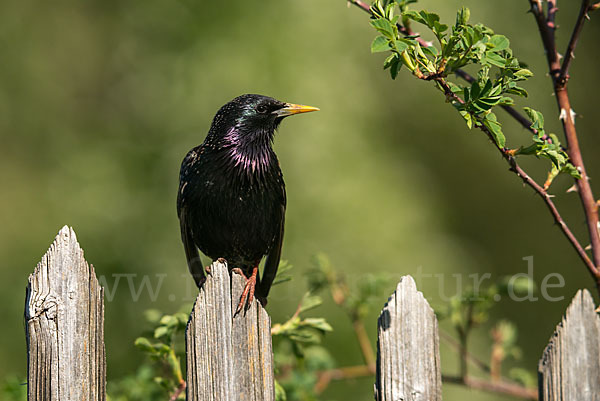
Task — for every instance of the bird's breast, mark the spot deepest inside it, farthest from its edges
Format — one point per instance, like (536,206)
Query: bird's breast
(237,210)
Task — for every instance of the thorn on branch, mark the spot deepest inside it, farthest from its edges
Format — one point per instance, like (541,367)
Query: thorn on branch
(563,115)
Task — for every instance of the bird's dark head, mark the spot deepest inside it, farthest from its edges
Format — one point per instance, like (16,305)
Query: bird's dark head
(254,116)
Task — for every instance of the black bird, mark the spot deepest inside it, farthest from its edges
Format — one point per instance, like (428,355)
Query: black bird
(231,200)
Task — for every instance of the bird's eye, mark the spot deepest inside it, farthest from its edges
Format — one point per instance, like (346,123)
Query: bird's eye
(261,108)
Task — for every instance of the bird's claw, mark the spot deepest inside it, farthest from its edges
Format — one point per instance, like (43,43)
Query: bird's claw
(248,294)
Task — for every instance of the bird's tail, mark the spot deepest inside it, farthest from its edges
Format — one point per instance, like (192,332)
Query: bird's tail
(191,253)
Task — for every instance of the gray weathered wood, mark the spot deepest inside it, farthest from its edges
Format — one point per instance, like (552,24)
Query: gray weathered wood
(64,314)
(408,355)
(569,369)
(228,358)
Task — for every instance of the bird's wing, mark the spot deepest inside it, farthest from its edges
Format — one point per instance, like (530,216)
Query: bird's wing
(272,262)
(191,251)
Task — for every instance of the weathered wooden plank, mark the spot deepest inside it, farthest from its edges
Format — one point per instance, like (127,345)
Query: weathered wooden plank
(408,355)
(570,365)
(228,358)
(64,314)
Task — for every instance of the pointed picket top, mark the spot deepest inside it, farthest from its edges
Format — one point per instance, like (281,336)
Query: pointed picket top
(64,313)
(570,365)
(408,355)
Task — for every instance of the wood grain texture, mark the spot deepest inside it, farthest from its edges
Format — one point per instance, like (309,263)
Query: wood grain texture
(570,365)
(408,355)
(64,315)
(228,358)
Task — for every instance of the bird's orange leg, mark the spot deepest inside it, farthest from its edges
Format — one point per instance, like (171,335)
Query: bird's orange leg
(248,293)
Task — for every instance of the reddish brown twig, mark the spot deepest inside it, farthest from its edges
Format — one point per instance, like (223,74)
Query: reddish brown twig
(448,339)
(570,53)
(178,390)
(348,372)
(559,74)
(502,387)
(514,167)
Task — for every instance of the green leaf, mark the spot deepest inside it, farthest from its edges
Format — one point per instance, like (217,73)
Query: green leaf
(161,331)
(400,46)
(522,74)
(521,285)
(551,176)
(495,128)
(415,16)
(318,323)
(429,18)
(506,101)
(431,51)
(516,90)
(280,394)
(499,43)
(439,29)
(168,320)
(380,44)
(571,170)
(393,63)
(532,149)
(468,118)
(462,17)
(536,118)
(152,315)
(385,27)
(394,68)
(309,302)
(475,90)
(144,344)
(493,59)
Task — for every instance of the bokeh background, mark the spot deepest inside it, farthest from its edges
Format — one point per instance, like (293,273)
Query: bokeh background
(100,101)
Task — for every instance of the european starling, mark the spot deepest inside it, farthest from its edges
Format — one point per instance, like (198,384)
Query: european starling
(231,199)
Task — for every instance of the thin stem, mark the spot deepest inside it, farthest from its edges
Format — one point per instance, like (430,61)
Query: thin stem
(552,9)
(497,355)
(365,343)
(514,167)
(456,345)
(502,387)
(570,53)
(567,118)
(463,335)
(339,292)
(348,372)
(178,390)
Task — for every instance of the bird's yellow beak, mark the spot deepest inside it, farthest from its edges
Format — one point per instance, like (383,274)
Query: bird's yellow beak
(291,108)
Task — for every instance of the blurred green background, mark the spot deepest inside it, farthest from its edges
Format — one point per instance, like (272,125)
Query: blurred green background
(100,101)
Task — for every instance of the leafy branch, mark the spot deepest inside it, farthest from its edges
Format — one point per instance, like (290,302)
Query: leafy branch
(559,72)
(497,81)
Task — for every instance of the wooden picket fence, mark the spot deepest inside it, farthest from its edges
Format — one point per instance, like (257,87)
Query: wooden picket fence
(230,357)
